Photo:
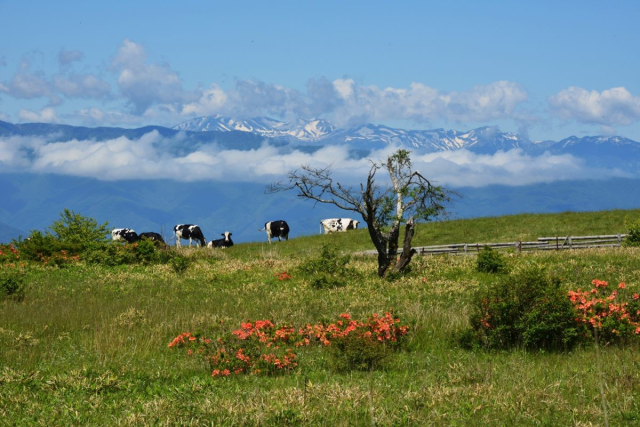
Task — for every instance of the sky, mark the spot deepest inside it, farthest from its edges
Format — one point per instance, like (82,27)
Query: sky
(544,69)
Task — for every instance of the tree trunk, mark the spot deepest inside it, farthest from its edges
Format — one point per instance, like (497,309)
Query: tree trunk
(407,251)
(380,243)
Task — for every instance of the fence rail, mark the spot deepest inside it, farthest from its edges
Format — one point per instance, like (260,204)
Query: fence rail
(542,244)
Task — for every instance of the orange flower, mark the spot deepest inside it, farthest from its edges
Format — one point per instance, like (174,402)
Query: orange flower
(621,285)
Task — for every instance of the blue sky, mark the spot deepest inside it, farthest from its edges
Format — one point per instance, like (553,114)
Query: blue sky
(547,69)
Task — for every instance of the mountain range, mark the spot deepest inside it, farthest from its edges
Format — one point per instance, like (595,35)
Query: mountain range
(483,140)
(33,201)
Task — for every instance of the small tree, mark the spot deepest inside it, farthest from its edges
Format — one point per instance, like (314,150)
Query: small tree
(409,195)
(75,229)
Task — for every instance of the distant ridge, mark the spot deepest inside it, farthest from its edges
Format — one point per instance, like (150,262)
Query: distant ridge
(483,140)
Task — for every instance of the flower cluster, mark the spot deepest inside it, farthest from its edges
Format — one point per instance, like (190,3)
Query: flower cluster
(260,347)
(9,256)
(382,329)
(283,276)
(60,258)
(615,313)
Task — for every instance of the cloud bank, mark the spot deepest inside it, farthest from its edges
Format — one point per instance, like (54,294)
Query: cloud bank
(130,89)
(154,157)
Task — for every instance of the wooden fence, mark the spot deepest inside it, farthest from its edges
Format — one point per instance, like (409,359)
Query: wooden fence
(542,244)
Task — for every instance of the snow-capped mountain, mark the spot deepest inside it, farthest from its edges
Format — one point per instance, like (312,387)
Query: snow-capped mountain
(484,139)
(303,130)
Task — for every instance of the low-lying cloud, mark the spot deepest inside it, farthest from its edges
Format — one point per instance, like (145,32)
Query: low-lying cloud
(154,157)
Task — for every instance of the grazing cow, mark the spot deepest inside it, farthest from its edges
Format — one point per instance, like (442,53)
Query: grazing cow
(150,235)
(333,225)
(189,231)
(279,229)
(126,234)
(223,243)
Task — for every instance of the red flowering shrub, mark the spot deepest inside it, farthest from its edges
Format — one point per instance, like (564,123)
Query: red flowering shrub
(283,276)
(262,348)
(358,345)
(9,256)
(614,314)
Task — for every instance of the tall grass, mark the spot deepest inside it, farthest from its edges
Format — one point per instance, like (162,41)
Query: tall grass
(88,345)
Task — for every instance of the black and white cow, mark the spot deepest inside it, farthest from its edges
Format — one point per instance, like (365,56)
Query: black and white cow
(150,235)
(279,229)
(333,225)
(126,234)
(189,231)
(225,242)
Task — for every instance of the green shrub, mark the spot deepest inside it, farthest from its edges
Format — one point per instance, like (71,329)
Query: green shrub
(109,254)
(145,251)
(12,284)
(526,309)
(356,353)
(179,263)
(42,247)
(490,261)
(329,270)
(633,233)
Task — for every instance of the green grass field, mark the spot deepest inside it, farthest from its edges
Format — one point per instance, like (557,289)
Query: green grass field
(89,344)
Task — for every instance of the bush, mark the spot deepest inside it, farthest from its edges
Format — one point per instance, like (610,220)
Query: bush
(262,348)
(179,263)
(526,309)
(329,270)
(42,247)
(75,229)
(12,284)
(353,352)
(490,261)
(109,254)
(633,233)
(614,314)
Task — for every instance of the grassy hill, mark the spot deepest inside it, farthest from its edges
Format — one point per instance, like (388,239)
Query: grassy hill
(510,228)
(88,345)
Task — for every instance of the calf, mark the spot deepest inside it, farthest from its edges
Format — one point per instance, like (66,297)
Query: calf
(279,229)
(189,231)
(126,234)
(150,235)
(223,243)
(333,225)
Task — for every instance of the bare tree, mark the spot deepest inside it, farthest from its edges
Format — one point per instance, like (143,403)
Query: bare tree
(382,208)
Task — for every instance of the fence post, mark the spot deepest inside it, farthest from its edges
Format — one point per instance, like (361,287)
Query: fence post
(466,249)
(619,239)
(570,245)
(519,246)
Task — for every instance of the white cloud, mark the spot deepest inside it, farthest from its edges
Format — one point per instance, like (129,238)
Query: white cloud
(616,106)
(463,168)
(66,57)
(81,86)
(422,103)
(212,101)
(146,84)
(46,115)
(153,157)
(347,103)
(27,85)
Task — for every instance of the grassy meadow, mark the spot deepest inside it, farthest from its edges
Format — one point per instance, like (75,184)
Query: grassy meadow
(88,345)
